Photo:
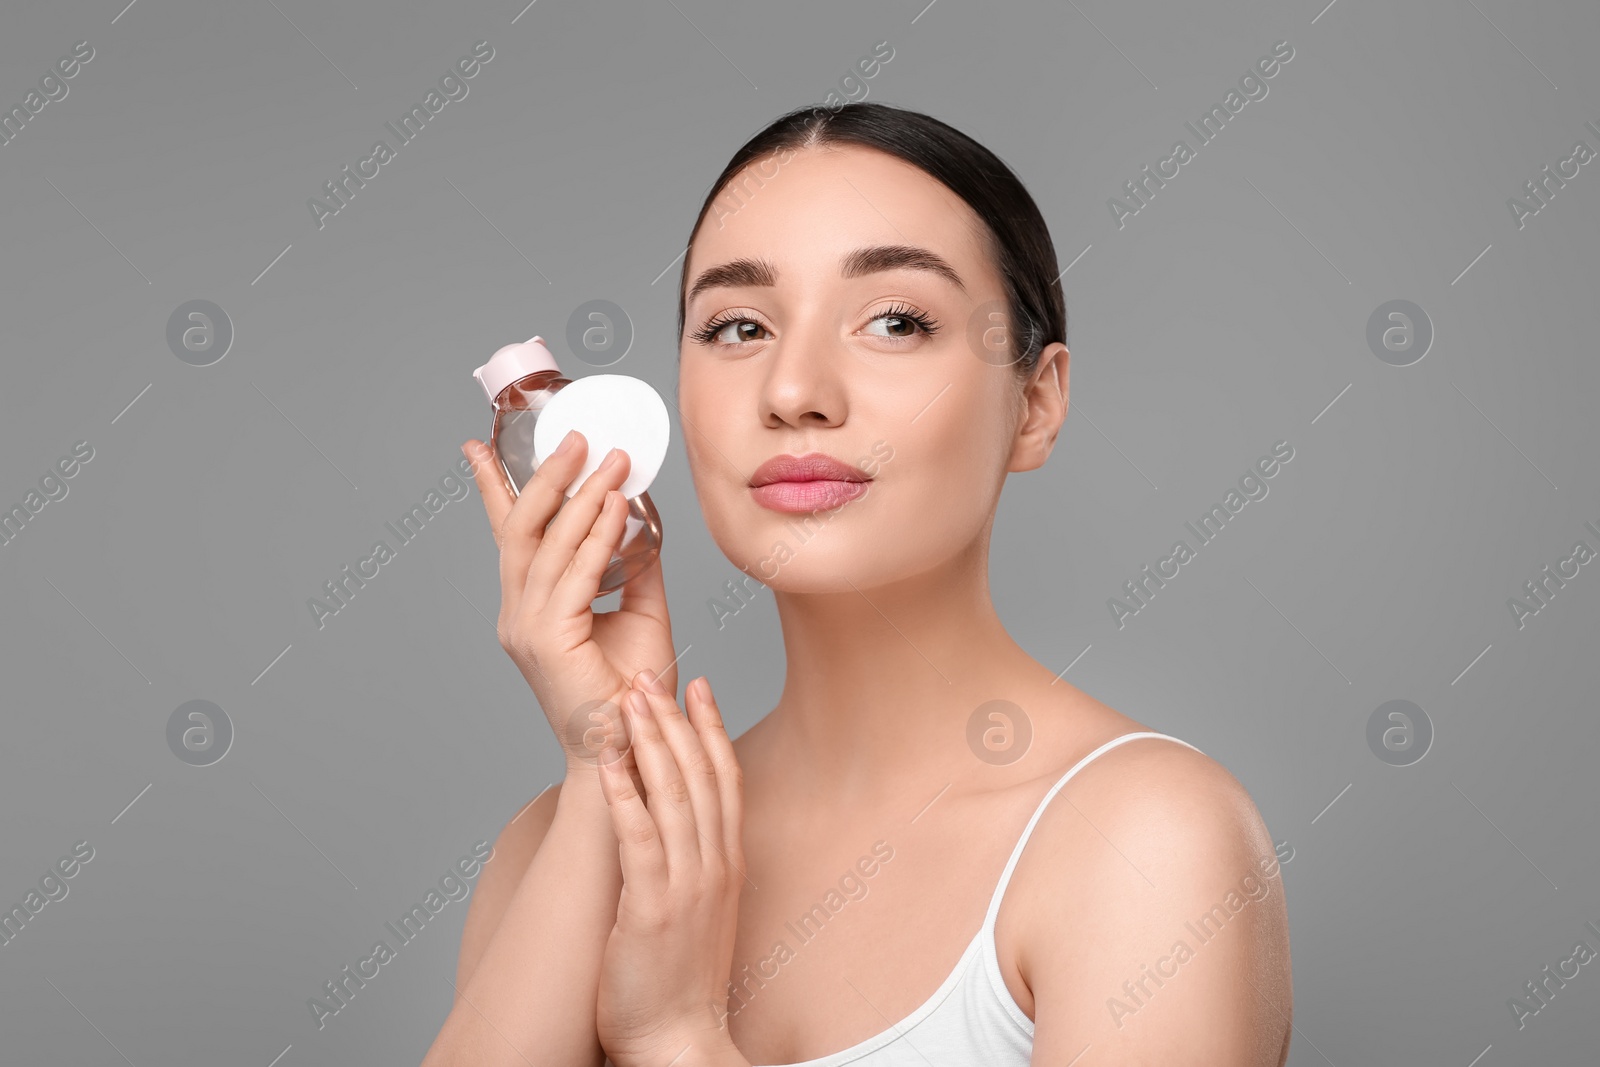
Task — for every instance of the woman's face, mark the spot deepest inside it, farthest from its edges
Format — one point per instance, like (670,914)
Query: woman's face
(806,282)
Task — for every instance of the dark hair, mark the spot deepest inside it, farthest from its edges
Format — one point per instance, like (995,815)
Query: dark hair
(1016,234)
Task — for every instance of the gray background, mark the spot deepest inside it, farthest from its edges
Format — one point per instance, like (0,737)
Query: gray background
(1228,314)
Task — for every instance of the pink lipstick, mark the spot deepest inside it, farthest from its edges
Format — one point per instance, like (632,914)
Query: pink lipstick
(813,482)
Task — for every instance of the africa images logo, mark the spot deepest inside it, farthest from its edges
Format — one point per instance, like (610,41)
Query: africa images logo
(454,885)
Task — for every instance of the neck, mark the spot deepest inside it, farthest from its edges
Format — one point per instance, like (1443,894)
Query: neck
(881,682)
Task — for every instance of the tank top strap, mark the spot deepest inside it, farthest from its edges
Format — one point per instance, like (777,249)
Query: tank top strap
(1016,853)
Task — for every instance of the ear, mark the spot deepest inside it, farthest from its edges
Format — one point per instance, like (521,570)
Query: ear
(1045,397)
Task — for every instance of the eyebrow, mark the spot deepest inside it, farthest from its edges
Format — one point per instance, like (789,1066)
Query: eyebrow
(863,261)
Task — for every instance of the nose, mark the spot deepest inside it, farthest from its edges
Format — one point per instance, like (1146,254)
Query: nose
(803,387)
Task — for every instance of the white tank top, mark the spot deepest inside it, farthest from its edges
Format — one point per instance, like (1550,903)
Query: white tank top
(971,1018)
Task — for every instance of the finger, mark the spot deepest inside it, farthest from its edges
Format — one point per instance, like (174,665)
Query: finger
(646,594)
(623,743)
(604,725)
(638,843)
(600,726)
(490,474)
(667,793)
(632,767)
(575,590)
(492,485)
(521,527)
(568,529)
(698,772)
(707,719)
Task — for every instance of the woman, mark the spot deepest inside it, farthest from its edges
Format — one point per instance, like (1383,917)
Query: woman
(932,850)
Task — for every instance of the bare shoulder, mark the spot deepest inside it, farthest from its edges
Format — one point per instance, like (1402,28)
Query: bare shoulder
(1150,909)
(514,848)
(1144,811)
(1173,796)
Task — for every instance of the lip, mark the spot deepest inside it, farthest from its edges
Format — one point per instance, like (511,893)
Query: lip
(813,482)
(811,467)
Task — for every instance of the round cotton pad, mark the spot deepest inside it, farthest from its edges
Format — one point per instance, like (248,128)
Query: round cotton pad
(611,411)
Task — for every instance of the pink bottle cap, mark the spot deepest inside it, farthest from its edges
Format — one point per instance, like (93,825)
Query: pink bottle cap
(512,362)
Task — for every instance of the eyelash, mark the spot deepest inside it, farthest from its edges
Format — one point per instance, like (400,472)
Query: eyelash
(926,323)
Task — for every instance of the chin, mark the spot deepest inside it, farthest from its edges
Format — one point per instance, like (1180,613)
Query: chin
(854,560)
(805,552)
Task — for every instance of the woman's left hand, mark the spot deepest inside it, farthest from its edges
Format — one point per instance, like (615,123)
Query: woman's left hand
(663,992)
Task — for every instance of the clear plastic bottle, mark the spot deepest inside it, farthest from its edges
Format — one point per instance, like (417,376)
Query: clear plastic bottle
(519,380)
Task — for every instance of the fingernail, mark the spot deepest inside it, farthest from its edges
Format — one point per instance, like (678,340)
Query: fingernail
(566,443)
(638,704)
(611,459)
(608,755)
(648,679)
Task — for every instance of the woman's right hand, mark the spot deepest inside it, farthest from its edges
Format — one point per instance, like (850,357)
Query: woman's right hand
(579,664)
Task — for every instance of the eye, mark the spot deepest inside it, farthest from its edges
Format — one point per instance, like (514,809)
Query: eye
(708,334)
(907,319)
(901,323)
